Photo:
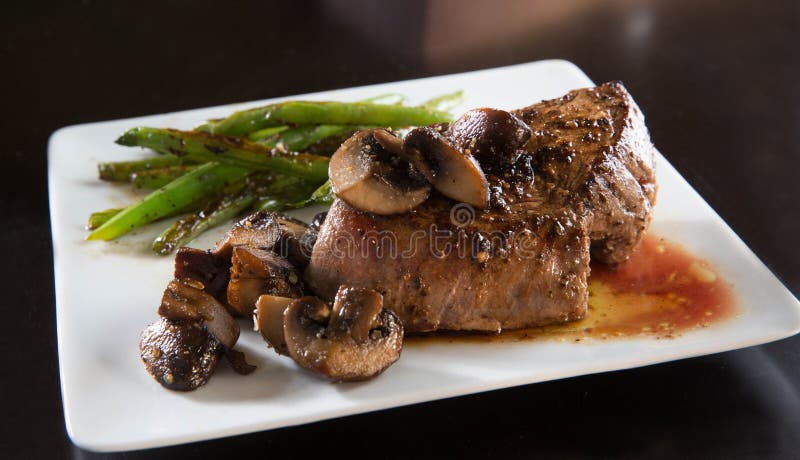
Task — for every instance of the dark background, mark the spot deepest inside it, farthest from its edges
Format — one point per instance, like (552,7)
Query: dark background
(718,82)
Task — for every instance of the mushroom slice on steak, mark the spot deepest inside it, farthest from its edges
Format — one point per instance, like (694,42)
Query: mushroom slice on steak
(492,136)
(184,300)
(268,320)
(394,146)
(355,340)
(255,272)
(454,173)
(269,231)
(212,271)
(180,354)
(369,177)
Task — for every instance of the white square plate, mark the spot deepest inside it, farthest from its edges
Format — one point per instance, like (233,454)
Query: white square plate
(106,293)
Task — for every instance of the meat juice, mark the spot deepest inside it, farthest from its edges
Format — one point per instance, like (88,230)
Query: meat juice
(661,292)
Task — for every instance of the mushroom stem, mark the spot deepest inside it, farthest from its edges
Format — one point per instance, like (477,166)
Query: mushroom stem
(355,312)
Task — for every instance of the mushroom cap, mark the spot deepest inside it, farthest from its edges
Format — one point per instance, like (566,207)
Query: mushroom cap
(367,176)
(268,320)
(492,136)
(180,354)
(356,340)
(455,173)
(270,231)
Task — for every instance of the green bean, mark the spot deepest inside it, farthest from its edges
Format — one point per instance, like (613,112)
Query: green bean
(266,133)
(445,102)
(189,227)
(278,194)
(157,178)
(206,180)
(331,113)
(96,219)
(322,195)
(300,138)
(201,146)
(120,171)
(387,99)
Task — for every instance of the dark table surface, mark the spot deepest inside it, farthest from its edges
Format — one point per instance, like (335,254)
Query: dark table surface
(717,80)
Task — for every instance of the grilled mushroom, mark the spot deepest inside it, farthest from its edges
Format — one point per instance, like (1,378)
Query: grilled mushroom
(186,300)
(181,355)
(212,271)
(269,231)
(355,340)
(268,320)
(255,272)
(454,173)
(492,136)
(369,176)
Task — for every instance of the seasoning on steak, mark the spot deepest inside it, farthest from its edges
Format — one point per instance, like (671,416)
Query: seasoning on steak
(584,179)
(592,147)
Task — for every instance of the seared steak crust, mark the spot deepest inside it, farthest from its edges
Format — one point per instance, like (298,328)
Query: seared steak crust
(511,270)
(592,147)
(583,181)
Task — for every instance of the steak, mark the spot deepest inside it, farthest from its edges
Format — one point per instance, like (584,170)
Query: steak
(583,183)
(592,147)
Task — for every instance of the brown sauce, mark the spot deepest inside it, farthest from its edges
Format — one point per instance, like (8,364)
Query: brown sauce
(661,292)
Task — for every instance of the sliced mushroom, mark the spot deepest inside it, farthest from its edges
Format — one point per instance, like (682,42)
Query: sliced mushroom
(212,271)
(492,136)
(394,145)
(268,320)
(181,355)
(370,177)
(269,231)
(186,300)
(453,173)
(255,272)
(259,230)
(355,340)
